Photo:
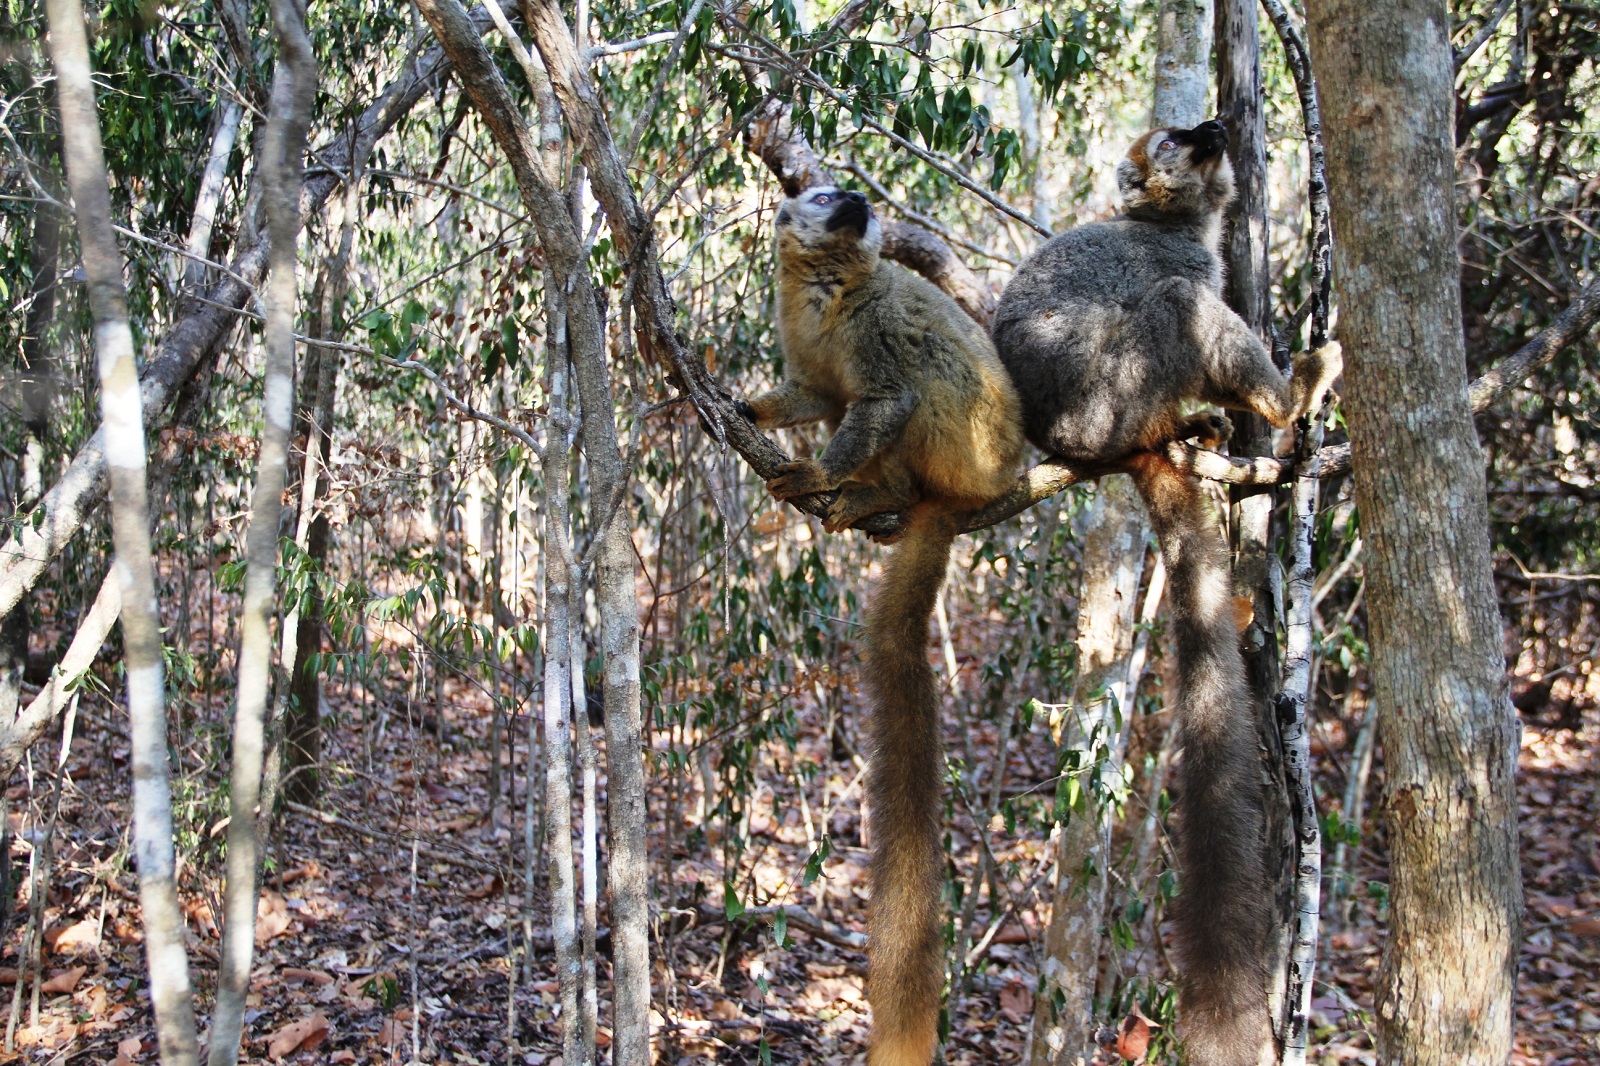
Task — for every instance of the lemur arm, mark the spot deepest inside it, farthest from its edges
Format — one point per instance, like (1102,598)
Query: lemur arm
(790,404)
(870,425)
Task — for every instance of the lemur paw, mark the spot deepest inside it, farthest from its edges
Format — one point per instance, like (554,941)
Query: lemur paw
(799,478)
(744,410)
(1209,431)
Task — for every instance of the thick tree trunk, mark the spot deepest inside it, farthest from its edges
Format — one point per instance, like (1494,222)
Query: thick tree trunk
(123,432)
(1448,730)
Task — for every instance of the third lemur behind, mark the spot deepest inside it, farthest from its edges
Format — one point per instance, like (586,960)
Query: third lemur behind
(1108,330)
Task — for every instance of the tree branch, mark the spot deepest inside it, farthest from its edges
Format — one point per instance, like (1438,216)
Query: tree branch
(40,536)
(1568,326)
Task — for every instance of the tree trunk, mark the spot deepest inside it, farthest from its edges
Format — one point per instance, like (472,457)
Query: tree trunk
(618,598)
(294,89)
(1183,63)
(1258,575)
(1113,559)
(1448,730)
(123,433)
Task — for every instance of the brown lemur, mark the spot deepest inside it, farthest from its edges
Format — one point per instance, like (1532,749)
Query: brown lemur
(926,422)
(1108,330)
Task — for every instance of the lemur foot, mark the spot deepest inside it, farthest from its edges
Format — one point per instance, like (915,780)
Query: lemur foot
(855,504)
(745,410)
(799,478)
(1314,373)
(1210,431)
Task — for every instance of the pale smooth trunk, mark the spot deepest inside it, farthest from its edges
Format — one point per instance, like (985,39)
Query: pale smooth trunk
(123,431)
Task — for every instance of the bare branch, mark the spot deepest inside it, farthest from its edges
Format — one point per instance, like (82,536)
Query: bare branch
(1570,325)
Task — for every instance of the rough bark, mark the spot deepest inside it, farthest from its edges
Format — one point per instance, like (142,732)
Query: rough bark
(123,431)
(1183,63)
(294,89)
(1097,720)
(1446,723)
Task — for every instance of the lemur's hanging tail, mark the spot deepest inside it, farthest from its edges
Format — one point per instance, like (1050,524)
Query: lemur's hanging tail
(1223,911)
(905,770)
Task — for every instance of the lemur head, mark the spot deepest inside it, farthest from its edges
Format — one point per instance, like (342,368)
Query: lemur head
(1177,174)
(826,226)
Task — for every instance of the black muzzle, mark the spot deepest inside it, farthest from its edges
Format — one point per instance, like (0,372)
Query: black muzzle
(1206,141)
(852,213)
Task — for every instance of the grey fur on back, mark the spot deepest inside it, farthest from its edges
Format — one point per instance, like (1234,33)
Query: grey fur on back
(1078,325)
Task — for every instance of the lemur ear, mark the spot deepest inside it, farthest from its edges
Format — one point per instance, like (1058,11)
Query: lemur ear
(792,186)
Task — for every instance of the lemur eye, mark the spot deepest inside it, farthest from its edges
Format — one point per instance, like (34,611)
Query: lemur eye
(822,198)
(1166,146)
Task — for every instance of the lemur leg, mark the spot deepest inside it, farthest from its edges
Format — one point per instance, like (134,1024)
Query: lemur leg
(790,404)
(1238,368)
(890,491)
(1314,374)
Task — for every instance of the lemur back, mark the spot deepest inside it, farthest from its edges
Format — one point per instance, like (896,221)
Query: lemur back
(1115,325)
(1108,331)
(927,422)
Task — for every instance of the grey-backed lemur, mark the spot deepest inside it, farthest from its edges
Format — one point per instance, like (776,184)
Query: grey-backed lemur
(1108,330)
(927,423)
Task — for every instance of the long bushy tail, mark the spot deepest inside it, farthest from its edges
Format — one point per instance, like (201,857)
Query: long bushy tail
(904,774)
(1223,913)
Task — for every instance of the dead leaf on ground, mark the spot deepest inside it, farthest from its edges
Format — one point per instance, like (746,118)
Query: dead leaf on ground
(294,974)
(272,917)
(302,1035)
(77,938)
(1016,1003)
(1585,927)
(63,982)
(491,885)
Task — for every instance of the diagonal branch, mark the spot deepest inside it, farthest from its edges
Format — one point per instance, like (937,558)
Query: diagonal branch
(41,535)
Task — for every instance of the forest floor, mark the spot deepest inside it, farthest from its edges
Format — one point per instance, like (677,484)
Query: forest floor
(387,920)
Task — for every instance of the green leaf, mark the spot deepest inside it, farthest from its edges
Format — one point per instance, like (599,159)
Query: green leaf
(814,863)
(732,905)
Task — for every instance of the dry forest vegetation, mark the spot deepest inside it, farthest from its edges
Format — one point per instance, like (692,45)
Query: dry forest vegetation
(460,554)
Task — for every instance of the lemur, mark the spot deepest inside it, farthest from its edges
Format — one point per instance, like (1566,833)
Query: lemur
(926,422)
(1108,330)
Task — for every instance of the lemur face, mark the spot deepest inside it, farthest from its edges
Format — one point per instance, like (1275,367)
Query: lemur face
(1175,172)
(828,219)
